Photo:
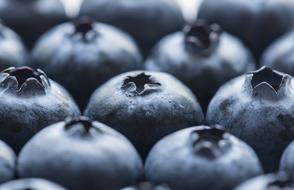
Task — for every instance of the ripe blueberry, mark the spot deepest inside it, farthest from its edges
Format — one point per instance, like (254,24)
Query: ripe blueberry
(287,162)
(12,51)
(201,158)
(279,54)
(7,163)
(82,55)
(257,108)
(256,22)
(144,106)
(203,57)
(31,18)
(29,101)
(268,182)
(81,154)
(30,184)
(146,20)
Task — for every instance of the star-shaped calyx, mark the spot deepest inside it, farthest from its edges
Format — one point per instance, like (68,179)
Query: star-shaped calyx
(210,142)
(24,81)
(202,38)
(140,84)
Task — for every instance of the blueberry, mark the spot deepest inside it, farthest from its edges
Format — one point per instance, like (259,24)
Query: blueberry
(146,186)
(287,162)
(29,101)
(262,21)
(12,51)
(279,54)
(30,184)
(7,163)
(94,52)
(269,182)
(144,106)
(201,52)
(257,108)
(201,158)
(81,154)
(146,20)
(31,18)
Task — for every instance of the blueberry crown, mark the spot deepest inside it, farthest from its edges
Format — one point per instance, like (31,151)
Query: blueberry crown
(84,27)
(140,84)
(80,126)
(150,186)
(202,38)
(210,142)
(282,181)
(268,77)
(24,81)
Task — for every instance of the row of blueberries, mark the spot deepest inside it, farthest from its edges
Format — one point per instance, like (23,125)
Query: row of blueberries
(145,106)
(84,54)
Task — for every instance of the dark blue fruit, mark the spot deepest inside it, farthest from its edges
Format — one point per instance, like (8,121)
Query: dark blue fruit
(7,163)
(29,101)
(30,184)
(81,154)
(146,20)
(279,55)
(31,18)
(203,57)
(257,108)
(82,55)
(201,158)
(12,51)
(269,182)
(147,186)
(287,160)
(144,106)
(256,22)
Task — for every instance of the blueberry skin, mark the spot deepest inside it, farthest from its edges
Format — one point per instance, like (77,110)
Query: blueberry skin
(29,101)
(7,163)
(30,183)
(31,18)
(278,181)
(201,158)
(144,106)
(286,162)
(279,54)
(82,55)
(80,154)
(12,51)
(146,20)
(147,186)
(263,21)
(257,108)
(204,64)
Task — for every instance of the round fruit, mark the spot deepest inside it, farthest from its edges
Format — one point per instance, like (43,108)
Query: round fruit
(29,101)
(30,184)
(269,182)
(82,55)
(287,162)
(12,51)
(203,57)
(81,154)
(31,18)
(201,158)
(147,186)
(146,20)
(7,163)
(257,108)
(144,106)
(280,55)
(262,21)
